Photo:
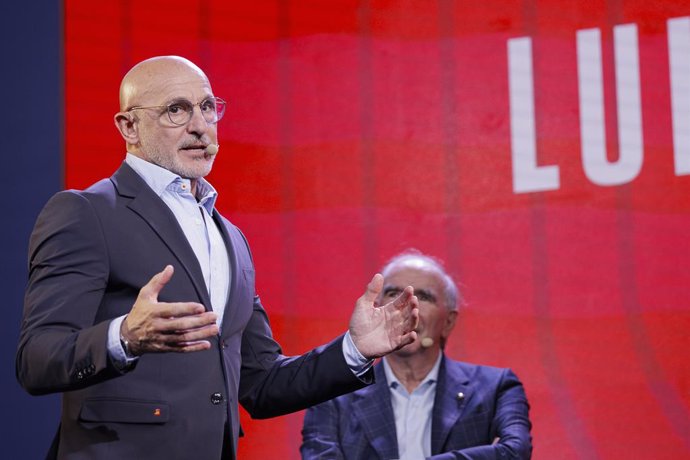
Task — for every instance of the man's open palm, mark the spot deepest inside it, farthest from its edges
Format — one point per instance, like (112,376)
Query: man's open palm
(379,330)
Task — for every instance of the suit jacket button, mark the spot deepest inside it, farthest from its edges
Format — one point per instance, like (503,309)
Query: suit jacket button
(216,398)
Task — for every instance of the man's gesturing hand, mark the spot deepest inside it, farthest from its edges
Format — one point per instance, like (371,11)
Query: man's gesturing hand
(154,326)
(377,331)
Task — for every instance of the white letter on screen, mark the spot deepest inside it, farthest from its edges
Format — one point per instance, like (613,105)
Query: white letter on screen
(679,58)
(592,129)
(527,175)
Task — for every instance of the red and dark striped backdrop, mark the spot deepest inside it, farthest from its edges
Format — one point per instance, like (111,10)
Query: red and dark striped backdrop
(356,129)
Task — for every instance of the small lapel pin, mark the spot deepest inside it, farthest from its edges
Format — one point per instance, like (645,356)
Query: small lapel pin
(461,396)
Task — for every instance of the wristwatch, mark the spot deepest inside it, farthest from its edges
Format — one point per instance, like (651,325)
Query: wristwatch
(125,346)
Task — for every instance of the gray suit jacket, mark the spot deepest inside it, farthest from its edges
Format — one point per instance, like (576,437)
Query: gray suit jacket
(90,253)
(361,425)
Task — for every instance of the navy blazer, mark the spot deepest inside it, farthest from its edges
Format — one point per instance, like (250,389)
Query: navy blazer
(361,425)
(90,253)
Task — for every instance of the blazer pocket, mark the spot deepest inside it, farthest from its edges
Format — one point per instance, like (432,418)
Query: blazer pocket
(124,411)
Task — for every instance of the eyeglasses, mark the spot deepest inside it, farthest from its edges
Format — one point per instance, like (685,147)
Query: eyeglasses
(181,111)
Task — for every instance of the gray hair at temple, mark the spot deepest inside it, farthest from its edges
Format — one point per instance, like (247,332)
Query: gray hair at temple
(417,259)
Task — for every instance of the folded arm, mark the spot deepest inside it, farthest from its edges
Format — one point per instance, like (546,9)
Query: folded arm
(320,438)
(510,428)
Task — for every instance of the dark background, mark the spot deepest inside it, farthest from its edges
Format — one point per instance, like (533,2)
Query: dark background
(32,172)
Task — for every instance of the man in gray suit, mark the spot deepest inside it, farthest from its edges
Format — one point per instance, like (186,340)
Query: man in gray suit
(141,307)
(423,404)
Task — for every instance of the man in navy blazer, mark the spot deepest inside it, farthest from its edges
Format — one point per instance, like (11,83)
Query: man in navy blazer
(423,404)
(141,307)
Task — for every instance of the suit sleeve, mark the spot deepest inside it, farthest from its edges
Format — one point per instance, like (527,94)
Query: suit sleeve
(62,344)
(510,424)
(272,384)
(320,437)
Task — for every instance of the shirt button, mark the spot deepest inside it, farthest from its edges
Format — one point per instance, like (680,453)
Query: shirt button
(216,398)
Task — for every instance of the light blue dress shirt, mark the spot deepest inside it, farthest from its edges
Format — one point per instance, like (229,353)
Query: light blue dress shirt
(413,412)
(195,217)
(194,214)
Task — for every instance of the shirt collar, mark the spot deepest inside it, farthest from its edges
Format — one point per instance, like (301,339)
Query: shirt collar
(161,179)
(431,377)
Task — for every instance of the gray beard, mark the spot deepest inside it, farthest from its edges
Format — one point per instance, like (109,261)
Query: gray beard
(171,163)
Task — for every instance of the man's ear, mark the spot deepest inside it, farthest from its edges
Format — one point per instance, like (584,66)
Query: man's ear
(451,317)
(126,124)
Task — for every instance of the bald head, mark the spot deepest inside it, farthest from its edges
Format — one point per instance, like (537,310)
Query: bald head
(140,83)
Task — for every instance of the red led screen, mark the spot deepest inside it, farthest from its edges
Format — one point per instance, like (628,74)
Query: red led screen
(540,148)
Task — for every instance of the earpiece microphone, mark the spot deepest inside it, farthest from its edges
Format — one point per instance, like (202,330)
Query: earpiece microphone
(211,149)
(426,342)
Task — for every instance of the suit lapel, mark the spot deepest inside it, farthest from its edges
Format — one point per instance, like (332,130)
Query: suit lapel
(163,222)
(234,264)
(373,409)
(448,405)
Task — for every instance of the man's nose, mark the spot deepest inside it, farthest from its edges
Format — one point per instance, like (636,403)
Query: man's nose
(197,123)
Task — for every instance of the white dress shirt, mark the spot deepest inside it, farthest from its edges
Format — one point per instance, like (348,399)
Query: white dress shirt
(412,413)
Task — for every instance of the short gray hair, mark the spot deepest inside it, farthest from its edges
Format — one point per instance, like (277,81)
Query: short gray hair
(453,297)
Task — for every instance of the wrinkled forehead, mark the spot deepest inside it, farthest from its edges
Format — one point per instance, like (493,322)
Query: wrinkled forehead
(160,81)
(413,264)
(425,279)
(413,271)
